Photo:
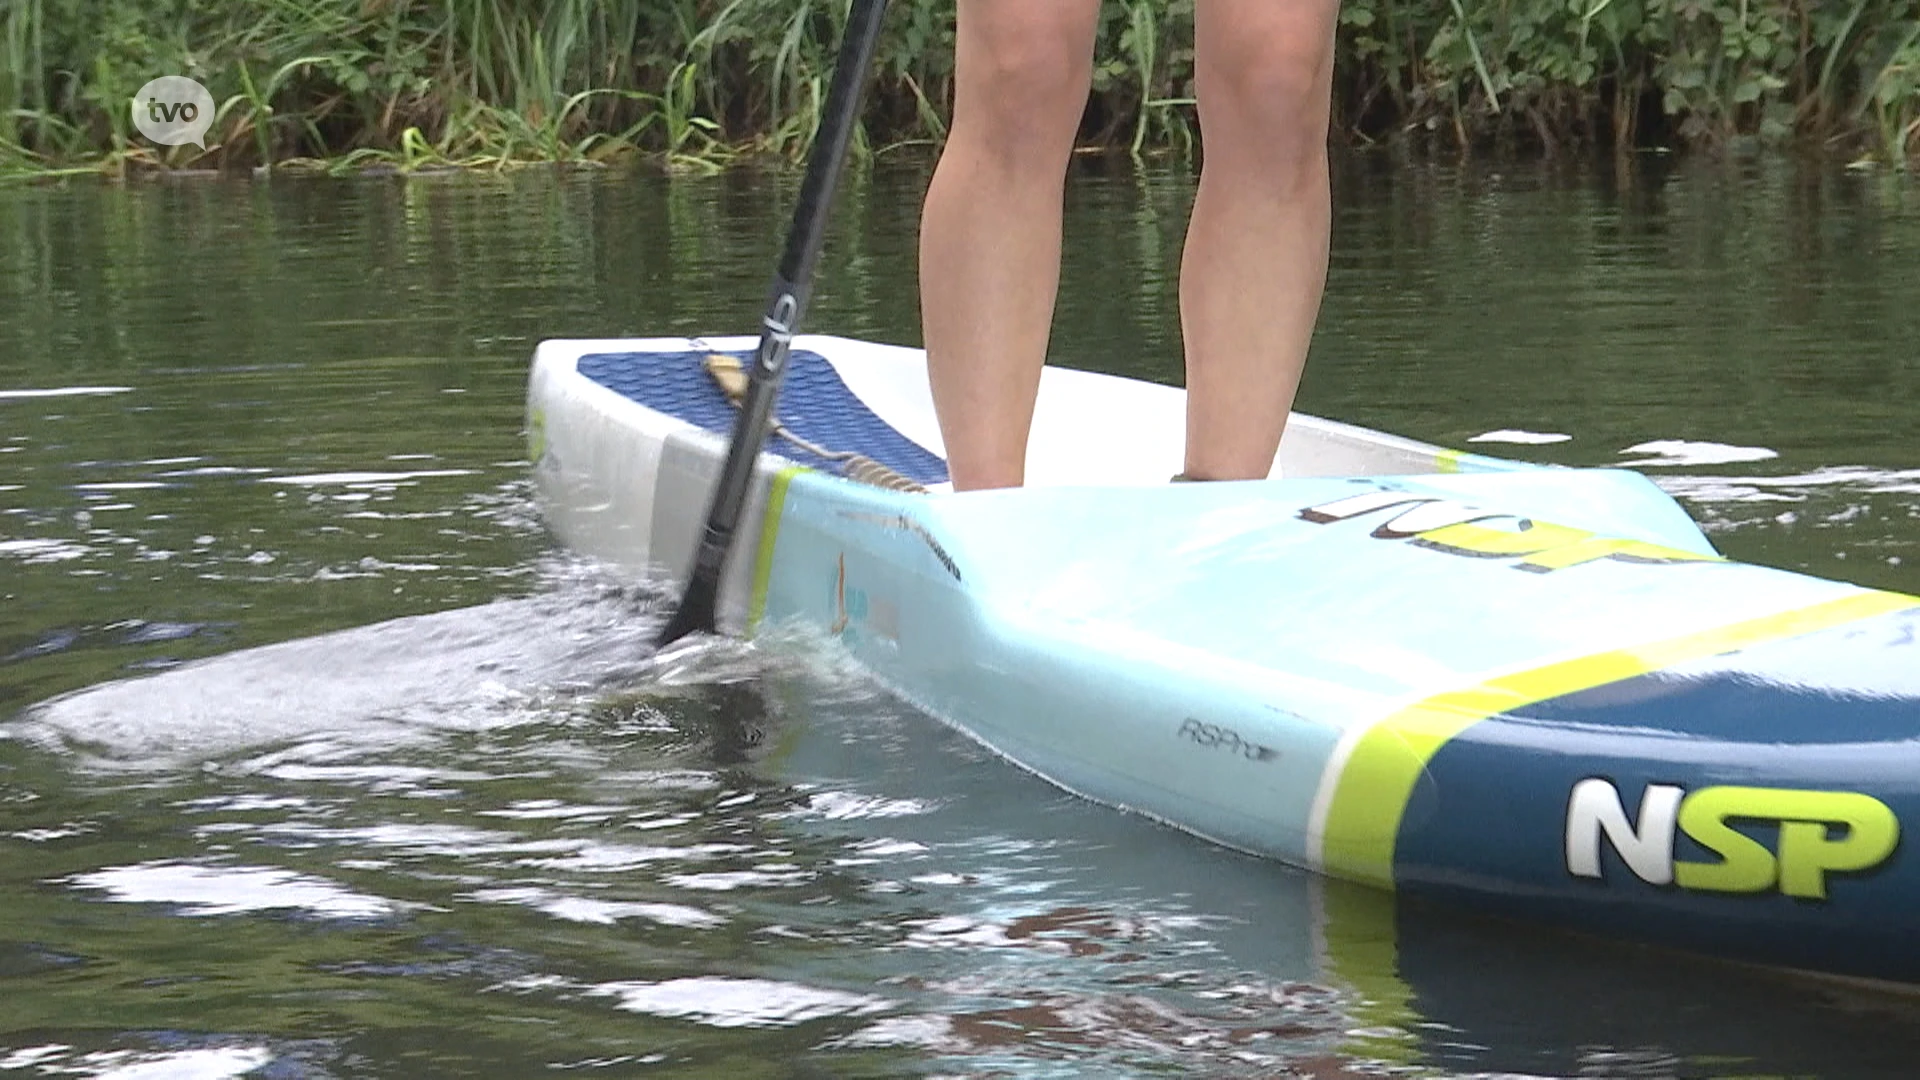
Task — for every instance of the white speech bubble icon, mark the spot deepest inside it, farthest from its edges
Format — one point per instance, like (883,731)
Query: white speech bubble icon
(173,110)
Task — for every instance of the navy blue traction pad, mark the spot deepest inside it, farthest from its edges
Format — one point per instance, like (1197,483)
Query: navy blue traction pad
(814,404)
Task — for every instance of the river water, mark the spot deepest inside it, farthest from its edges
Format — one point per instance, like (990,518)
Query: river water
(429,807)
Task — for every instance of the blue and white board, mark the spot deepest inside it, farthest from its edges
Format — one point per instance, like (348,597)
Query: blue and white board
(1539,691)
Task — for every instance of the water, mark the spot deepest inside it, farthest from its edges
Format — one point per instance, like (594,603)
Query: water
(431,807)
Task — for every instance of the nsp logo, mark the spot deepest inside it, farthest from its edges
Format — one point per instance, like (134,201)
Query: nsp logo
(1817,833)
(1459,529)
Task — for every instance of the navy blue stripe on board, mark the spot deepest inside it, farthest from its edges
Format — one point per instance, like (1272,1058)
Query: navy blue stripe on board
(1833,711)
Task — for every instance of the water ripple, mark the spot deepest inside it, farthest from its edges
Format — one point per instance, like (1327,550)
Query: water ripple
(56,1059)
(230,890)
(602,912)
(717,1001)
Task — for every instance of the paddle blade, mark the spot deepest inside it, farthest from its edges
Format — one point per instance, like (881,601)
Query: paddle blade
(698,609)
(695,615)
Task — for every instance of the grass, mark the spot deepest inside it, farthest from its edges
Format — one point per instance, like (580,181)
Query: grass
(695,84)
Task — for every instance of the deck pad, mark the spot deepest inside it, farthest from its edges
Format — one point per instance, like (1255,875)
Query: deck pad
(814,404)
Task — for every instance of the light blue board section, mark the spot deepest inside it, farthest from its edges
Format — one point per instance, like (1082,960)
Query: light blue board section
(1196,651)
(1109,719)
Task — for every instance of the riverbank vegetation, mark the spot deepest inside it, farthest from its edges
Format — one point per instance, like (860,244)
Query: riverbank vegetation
(410,84)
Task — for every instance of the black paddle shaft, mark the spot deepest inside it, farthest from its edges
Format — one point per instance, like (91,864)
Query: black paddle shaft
(786,303)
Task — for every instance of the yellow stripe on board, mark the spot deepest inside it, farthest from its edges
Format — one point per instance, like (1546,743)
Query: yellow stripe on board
(769,532)
(1447,461)
(1363,820)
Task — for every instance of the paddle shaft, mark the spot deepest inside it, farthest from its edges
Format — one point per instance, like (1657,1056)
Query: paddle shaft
(786,304)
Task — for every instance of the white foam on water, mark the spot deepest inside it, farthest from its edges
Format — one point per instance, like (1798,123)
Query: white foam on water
(411,840)
(731,880)
(736,1003)
(28,1056)
(43,551)
(479,668)
(1683,453)
(1832,480)
(63,391)
(932,1033)
(553,810)
(1521,437)
(60,832)
(231,890)
(601,912)
(213,1064)
(887,847)
(363,479)
(847,806)
(314,706)
(245,803)
(593,857)
(215,470)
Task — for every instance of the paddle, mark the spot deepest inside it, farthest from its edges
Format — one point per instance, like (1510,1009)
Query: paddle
(792,285)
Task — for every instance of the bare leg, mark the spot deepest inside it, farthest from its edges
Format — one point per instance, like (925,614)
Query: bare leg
(1256,255)
(990,233)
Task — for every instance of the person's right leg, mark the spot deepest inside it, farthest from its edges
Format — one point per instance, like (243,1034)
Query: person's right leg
(990,233)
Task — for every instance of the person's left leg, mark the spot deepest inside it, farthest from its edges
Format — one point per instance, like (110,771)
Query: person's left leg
(1256,254)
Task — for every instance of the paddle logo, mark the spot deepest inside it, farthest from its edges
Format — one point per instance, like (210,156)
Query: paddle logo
(779,322)
(1458,529)
(174,110)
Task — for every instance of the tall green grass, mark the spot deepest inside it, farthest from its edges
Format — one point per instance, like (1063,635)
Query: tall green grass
(337,84)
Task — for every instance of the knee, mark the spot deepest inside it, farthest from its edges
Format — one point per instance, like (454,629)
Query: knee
(1020,95)
(1266,102)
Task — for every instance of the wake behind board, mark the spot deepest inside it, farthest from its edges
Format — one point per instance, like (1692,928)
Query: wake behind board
(1538,691)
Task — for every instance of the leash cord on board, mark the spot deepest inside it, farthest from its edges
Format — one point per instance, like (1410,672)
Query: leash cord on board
(728,374)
